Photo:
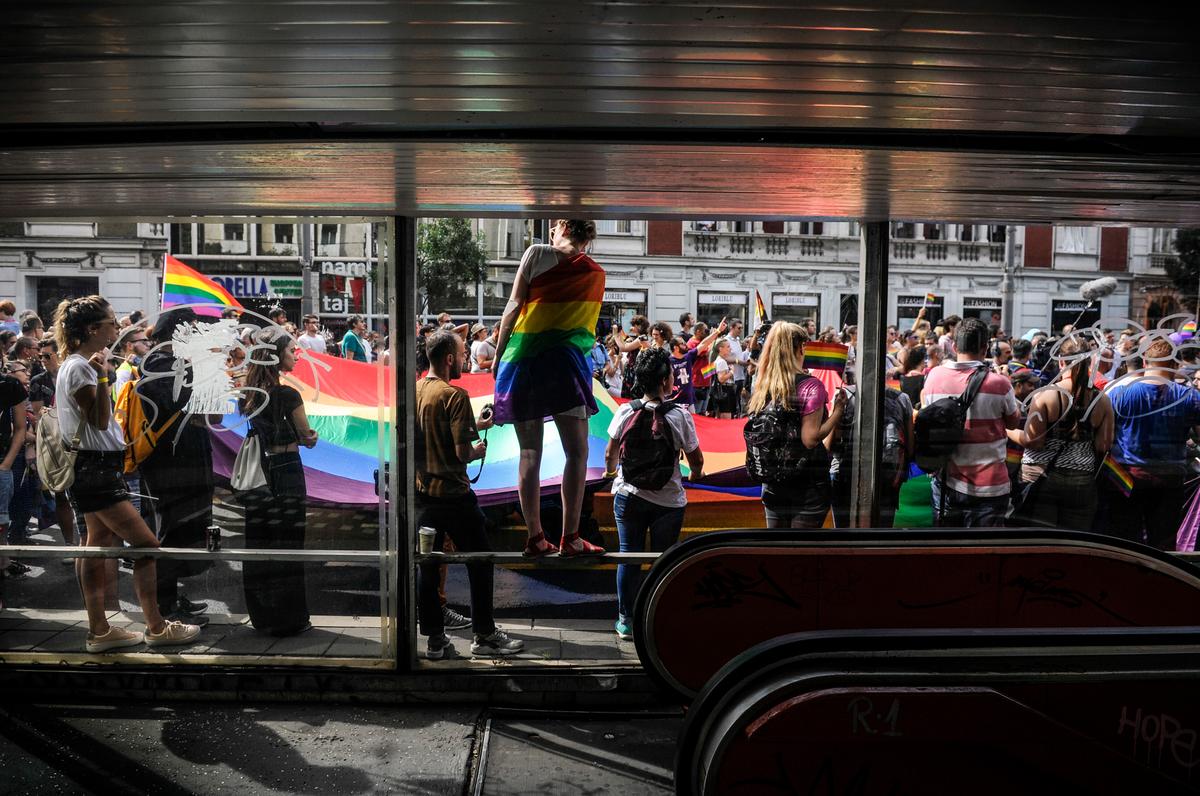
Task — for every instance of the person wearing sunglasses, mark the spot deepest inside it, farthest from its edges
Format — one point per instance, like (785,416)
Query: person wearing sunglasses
(132,347)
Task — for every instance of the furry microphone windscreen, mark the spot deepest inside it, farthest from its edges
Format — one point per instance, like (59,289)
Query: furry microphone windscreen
(1098,288)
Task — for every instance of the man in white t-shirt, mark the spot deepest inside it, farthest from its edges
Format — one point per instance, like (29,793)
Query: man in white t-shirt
(311,339)
(483,349)
(638,510)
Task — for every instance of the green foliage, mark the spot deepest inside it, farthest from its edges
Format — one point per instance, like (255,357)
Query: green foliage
(1185,270)
(449,258)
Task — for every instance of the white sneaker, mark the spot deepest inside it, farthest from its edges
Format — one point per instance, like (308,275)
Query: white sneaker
(173,634)
(113,639)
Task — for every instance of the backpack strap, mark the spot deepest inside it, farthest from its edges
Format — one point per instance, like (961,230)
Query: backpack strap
(973,386)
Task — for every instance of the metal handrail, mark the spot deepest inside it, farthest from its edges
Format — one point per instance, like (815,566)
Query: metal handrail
(231,554)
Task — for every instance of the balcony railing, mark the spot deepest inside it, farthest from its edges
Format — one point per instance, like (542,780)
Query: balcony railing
(940,252)
(753,246)
(1162,259)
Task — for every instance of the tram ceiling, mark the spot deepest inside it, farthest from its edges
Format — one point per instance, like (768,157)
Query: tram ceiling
(947,109)
(603,179)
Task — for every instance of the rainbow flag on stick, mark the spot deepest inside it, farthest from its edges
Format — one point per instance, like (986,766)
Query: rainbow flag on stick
(1118,475)
(184,285)
(760,310)
(929,299)
(827,356)
(708,370)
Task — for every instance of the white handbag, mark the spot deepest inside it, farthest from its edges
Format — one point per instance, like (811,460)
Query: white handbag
(248,470)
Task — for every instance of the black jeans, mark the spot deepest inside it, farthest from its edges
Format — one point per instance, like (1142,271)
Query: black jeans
(1150,515)
(182,513)
(461,518)
(276,519)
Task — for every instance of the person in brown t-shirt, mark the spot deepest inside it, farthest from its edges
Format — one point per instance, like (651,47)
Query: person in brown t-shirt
(447,439)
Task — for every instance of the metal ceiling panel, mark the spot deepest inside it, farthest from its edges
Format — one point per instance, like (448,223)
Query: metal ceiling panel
(602,179)
(943,109)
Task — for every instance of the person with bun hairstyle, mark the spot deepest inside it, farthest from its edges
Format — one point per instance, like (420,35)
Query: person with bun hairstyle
(276,514)
(640,510)
(84,329)
(542,370)
(782,380)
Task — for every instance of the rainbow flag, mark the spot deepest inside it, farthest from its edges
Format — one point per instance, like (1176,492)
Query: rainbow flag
(892,383)
(708,370)
(930,298)
(1189,327)
(1118,475)
(760,311)
(828,356)
(184,285)
(544,369)
(1013,453)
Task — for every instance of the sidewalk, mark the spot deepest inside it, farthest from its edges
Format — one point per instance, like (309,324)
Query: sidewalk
(317,749)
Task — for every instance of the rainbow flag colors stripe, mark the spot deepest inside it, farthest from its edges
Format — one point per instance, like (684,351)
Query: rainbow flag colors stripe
(1118,475)
(828,356)
(930,298)
(1013,453)
(1189,327)
(544,370)
(184,285)
(760,310)
(709,369)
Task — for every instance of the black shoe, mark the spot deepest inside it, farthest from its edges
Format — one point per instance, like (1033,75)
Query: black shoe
(453,620)
(16,569)
(186,618)
(189,607)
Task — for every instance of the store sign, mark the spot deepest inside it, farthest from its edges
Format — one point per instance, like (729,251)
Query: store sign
(343,286)
(981,304)
(261,287)
(624,297)
(1070,306)
(917,301)
(796,300)
(721,298)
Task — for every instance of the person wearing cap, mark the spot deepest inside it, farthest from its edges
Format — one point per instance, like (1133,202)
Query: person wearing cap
(483,349)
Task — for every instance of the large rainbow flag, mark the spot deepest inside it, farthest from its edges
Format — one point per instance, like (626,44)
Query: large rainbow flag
(185,285)
(347,404)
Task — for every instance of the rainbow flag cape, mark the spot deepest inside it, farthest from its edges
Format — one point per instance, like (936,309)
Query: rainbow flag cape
(544,369)
(347,402)
(827,356)
(1117,474)
(184,285)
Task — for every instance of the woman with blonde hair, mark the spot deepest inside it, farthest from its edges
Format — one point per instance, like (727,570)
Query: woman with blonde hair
(782,383)
(84,329)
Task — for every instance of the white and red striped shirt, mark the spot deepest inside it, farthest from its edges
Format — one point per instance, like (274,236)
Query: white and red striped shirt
(977,465)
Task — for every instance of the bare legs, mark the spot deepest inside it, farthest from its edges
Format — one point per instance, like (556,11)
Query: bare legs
(104,528)
(573,433)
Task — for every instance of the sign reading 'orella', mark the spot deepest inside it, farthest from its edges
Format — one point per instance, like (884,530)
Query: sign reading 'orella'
(242,286)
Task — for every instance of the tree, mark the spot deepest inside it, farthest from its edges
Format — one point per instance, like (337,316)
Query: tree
(1185,270)
(449,258)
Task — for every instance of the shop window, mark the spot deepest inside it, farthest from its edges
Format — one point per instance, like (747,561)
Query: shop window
(712,307)
(904,230)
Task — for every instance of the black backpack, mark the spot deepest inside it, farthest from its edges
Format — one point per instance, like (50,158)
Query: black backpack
(938,429)
(893,456)
(775,449)
(648,452)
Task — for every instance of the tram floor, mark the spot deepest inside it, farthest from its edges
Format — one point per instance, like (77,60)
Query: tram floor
(203,748)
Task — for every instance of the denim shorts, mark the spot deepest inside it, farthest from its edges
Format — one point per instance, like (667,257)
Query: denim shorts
(99,480)
(6,493)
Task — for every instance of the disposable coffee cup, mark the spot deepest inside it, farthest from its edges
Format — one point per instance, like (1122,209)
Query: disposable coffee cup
(425,538)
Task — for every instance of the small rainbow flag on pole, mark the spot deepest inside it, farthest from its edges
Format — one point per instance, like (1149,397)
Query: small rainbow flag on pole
(708,370)
(1118,475)
(827,356)
(760,310)
(184,285)
(1189,328)
(929,299)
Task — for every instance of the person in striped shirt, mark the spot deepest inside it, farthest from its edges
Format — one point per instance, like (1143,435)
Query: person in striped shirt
(973,490)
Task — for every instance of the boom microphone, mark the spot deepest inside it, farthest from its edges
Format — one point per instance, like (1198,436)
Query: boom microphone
(1098,288)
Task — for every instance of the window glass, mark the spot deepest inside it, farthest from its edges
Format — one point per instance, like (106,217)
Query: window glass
(279,571)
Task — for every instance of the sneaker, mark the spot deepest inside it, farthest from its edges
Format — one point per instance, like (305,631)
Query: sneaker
(184,618)
(173,634)
(624,630)
(189,607)
(577,546)
(114,638)
(496,644)
(453,620)
(435,650)
(16,569)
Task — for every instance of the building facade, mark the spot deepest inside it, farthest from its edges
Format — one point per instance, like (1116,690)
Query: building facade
(42,263)
(1020,278)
